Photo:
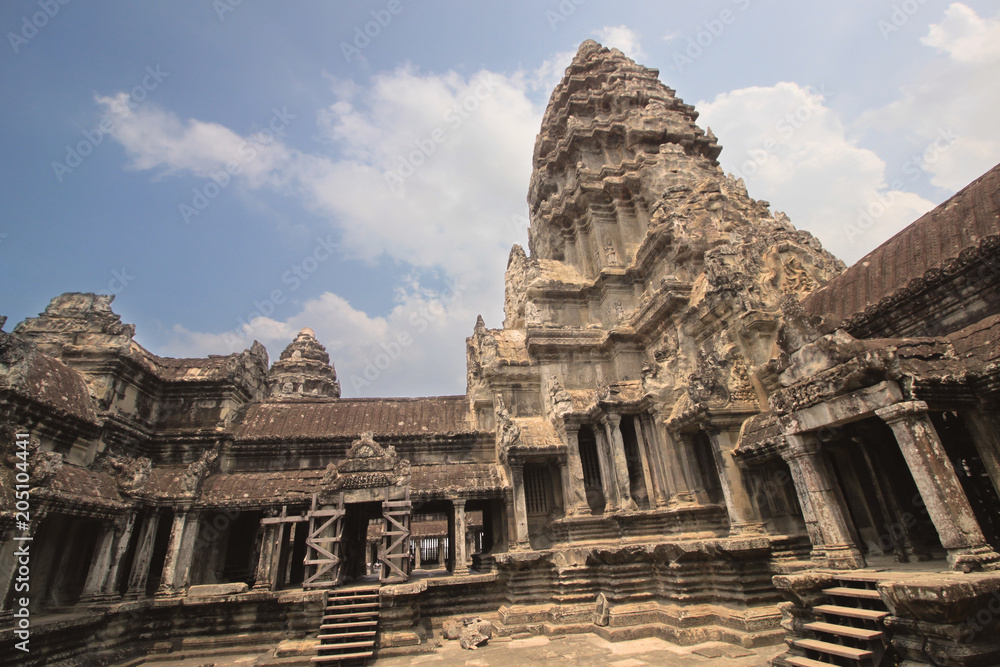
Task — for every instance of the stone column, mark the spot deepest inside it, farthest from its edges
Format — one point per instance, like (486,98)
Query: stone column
(821,508)
(99,565)
(460,566)
(574,490)
(188,544)
(9,566)
(743,516)
(415,550)
(440,563)
(609,483)
(657,497)
(939,487)
(520,508)
(143,554)
(682,486)
(123,536)
(262,578)
(612,423)
(168,577)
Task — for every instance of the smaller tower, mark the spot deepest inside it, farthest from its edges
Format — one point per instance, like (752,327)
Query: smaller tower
(304,370)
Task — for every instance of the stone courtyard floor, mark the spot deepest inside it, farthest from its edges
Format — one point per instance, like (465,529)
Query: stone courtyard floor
(581,650)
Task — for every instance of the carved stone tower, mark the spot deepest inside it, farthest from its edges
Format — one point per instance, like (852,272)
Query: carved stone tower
(304,370)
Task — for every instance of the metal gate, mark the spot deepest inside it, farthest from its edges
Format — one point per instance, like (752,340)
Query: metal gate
(324,551)
(395,552)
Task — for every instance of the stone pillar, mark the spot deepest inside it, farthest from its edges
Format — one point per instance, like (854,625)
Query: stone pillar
(188,545)
(574,490)
(939,487)
(609,484)
(99,565)
(123,536)
(440,563)
(651,453)
(415,550)
(743,516)
(682,483)
(612,423)
(169,575)
(262,578)
(520,508)
(9,565)
(143,554)
(461,565)
(821,508)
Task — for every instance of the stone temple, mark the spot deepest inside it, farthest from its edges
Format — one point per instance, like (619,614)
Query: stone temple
(695,424)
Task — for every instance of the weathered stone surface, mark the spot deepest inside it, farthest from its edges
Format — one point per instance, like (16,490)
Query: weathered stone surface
(668,416)
(208,590)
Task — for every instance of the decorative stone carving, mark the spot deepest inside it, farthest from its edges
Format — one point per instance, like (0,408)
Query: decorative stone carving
(304,370)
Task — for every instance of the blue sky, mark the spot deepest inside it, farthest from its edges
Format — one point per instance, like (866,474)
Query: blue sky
(239,171)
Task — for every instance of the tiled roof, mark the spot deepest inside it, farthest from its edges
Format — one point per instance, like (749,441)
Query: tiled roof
(290,486)
(349,418)
(465,476)
(86,487)
(926,246)
(44,379)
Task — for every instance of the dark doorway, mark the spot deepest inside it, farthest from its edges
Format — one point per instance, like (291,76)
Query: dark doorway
(159,553)
(362,528)
(591,470)
(971,471)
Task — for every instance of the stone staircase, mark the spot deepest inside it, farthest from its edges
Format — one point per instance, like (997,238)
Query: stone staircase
(349,626)
(852,632)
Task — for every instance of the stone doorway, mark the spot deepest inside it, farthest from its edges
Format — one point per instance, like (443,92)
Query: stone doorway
(885,512)
(972,472)
(362,531)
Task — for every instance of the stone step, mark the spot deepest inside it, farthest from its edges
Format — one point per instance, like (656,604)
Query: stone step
(838,650)
(844,631)
(357,624)
(354,614)
(860,593)
(362,605)
(799,661)
(348,635)
(333,626)
(344,656)
(862,577)
(352,596)
(343,645)
(851,612)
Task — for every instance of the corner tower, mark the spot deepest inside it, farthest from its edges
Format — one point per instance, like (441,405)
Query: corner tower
(304,370)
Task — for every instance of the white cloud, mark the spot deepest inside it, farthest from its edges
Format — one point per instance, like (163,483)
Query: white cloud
(949,111)
(457,151)
(794,151)
(405,353)
(623,38)
(965,37)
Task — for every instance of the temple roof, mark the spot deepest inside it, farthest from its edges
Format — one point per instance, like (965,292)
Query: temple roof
(914,255)
(348,418)
(43,379)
